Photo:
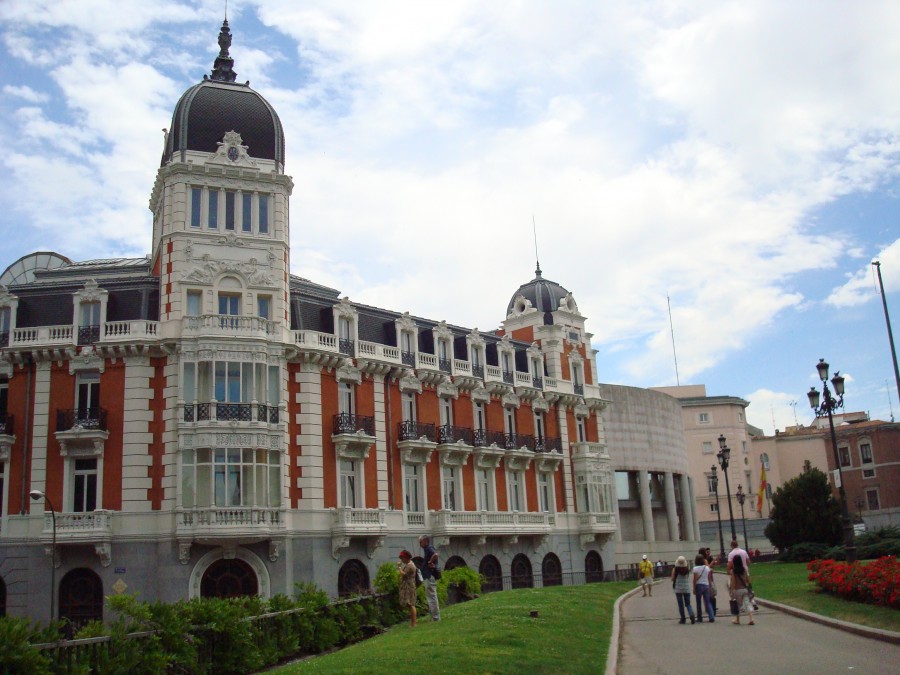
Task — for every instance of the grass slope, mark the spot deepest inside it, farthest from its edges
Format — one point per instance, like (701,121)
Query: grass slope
(493,634)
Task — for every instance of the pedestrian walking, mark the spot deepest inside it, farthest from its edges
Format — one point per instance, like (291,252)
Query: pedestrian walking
(681,584)
(740,590)
(645,576)
(702,574)
(430,574)
(407,569)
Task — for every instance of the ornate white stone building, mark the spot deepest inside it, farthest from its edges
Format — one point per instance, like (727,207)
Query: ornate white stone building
(204,423)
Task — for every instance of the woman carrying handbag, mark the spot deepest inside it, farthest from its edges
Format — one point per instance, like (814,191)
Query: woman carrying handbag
(740,591)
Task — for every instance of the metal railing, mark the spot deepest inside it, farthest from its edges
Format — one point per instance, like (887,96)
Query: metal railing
(547,444)
(449,433)
(481,438)
(267,413)
(347,347)
(579,389)
(233,412)
(445,365)
(408,359)
(6,424)
(538,382)
(508,377)
(88,335)
(84,418)
(478,371)
(345,423)
(411,431)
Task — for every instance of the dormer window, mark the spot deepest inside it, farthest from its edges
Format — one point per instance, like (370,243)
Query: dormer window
(407,348)
(89,323)
(345,336)
(444,356)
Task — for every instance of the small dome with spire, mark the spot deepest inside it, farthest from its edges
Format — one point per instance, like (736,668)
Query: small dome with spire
(540,294)
(217,105)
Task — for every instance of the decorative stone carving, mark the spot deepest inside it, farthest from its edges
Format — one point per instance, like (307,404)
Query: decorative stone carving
(540,404)
(476,542)
(184,552)
(209,269)
(406,323)
(234,440)
(345,309)
(508,541)
(481,394)
(447,390)
(337,544)
(7,299)
(104,552)
(91,292)
(410,384)
(353,446)
(232,151)
(349,373)
(373,544)
(442,332)
(274,549)
(521,305)
(510,400)
(474,338)
(231,239)
(229,551)
(567,304)
(86,359)
(581,410)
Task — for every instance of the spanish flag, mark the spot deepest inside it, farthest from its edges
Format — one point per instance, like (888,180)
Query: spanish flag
(762,490)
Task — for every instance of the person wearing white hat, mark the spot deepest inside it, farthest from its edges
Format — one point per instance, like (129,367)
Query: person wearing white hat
(681,583)
(645,576)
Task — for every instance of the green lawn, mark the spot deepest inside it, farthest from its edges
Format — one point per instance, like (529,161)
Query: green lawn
(492,634)
(787,583)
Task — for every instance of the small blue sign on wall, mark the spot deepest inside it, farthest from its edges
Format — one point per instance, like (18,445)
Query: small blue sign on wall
(120,570)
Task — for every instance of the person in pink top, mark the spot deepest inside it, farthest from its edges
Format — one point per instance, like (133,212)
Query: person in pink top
(737,550)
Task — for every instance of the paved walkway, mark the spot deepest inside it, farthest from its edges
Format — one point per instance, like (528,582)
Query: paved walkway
(652,641)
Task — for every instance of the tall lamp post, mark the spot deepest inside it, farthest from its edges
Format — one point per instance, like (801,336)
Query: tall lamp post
(741,497)
(826,409)
(724,455)
(859,505)
(715,485)
(37,495)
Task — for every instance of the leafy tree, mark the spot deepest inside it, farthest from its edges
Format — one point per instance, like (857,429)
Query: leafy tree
(805,510)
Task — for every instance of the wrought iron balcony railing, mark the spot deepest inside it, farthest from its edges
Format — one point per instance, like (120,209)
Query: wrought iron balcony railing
(579,389)
(445,365)
(538,382)
(503,440)
(345,423)
(85,418)
(6,425)
(347,347)
(267,413)
(524,441)
(508,377)
(480,438)
(233,412)
(547,444)
(4,338)
(410,431)
(88,335)
(408,359)
(478,371)
(449,433)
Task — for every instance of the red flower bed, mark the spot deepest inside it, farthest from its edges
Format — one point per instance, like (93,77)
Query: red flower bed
(877,583)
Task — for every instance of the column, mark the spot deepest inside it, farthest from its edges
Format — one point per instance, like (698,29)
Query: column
(693,502)
(381,459)
(311,459)
(671,509)
(687,507)
(646,509)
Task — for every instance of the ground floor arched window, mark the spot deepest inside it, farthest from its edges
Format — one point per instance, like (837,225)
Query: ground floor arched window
(521,572)
(490,569)
(229,579)
(353,578)
(551,570)
(81,597)
(593,567)
(453,562)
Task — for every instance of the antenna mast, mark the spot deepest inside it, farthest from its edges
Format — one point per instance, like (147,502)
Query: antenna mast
(672,331)
(887,320)
(537,271)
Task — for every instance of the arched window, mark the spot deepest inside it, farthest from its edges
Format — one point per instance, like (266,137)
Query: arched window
(551,570)
(81,597)
(453,562)
(489,568)
(353,578)
(593,567)
(229,579)
(521,572)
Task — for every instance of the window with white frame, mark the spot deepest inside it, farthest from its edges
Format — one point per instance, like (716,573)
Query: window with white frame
(196,194)
(545,491)
(230,477)
(246,212)
(703,418)
(194,303)
(580,430)
(264,306)
(87,397)
(475,356)
(539,432)
(710,484)
(714,508)
(509,421)
(446,411)
(484,486)
(5,323)
(231,382)
(514,488)
(346,398)
(230,197)
(349,483)
(84,485)
(844,454)
(873,503)
(412,484)
(740,417)
(478,416)
(409,407)
(450,487)
(212,219)
(865,452)
(263,214)
(707,447)
(506,362)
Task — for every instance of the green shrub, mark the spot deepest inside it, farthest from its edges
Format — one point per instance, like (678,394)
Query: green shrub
(16,653)
(804,552)
(466,579)
(874,536)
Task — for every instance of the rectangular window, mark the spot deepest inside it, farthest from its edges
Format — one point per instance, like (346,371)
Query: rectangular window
(872,501)
(213,217)
(868,473)
(544,492)
(246,212)
(348,483)
(515,490)
(87,397)
(710,484)
(485,489)
(703,418)
(539,425)
(85,486)
(264,305)
(263,214)
(707,447)
(229,210)
(509,421)
(476,357)
(195,207)
(345,398)
(446,411)
(479,416)
(744,446)
(411,481)
(230,477)
(194,303)
(449,476)
(865,453)
(580,429)
(229,304)
(713,508)
(409,407)
(90,314)
(233,382)
(844,453)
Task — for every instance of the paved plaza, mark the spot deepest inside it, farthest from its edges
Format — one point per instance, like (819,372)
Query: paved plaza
(652,641)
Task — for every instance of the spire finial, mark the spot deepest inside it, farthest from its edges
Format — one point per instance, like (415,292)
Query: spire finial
(537,271)
(223,68)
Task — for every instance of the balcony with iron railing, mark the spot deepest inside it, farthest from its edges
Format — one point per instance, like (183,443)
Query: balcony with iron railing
(446,365)
(88,335)
(480,438)
(347,346)
(216,525)
(231,412)
(81,418)
(347,423)
(409,430)
(449,433)
(408,359)
(353,435)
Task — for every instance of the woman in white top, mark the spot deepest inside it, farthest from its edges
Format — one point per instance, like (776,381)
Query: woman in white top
(702,579)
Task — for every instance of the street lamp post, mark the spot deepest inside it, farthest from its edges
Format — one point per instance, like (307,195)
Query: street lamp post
(36,495)
(724,455)
(715,485)
(827,408)
(741,497)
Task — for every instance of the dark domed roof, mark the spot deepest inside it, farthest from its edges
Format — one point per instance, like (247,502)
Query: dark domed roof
(210,109)
(544,295)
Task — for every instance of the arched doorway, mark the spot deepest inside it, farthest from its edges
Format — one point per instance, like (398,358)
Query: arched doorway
(453,562)
(593,567)
(489,568)
(551,570)
(521,572)
(81,597)
(353,578)
(228,579)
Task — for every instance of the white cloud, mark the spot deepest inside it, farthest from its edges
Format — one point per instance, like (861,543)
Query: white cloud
(771,410)
(26,94)
(862,286)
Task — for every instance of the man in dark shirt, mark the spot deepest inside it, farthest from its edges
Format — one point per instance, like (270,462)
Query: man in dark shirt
(431,560)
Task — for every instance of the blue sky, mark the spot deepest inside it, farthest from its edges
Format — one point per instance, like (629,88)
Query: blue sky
(741,158)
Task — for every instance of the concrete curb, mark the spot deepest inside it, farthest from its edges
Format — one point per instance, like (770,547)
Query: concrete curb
(612,656)
(855,628)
